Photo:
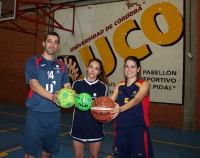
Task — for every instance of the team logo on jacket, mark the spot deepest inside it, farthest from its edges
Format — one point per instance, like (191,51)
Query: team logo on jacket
(57,69)
(134,93)
(94,95)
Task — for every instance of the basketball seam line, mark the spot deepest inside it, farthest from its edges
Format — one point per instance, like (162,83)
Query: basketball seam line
(100,108)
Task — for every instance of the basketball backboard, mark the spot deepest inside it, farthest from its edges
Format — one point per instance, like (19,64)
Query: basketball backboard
(7,9)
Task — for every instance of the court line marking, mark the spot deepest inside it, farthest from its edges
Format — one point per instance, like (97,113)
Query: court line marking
(110,156)
(12,114)
(64,134)
(109,132)
(5,153)
(5,130)
(10,146)
(11,130)
(188,146)
(65,125)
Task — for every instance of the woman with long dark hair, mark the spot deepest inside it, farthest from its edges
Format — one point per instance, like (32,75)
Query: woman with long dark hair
(84,127)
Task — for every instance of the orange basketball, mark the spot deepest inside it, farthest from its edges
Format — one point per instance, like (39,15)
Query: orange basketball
(101,107)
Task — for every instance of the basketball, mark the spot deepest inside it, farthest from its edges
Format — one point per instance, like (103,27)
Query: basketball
(66,97)
(83,101)
(101,107)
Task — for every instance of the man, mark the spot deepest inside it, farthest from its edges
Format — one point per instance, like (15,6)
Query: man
(45,75)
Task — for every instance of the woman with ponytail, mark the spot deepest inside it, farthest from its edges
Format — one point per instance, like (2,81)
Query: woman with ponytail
(85,129)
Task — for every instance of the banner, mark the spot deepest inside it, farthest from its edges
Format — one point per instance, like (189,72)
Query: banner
(150,30)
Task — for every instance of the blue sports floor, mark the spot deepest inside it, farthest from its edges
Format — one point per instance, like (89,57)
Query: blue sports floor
(167,143)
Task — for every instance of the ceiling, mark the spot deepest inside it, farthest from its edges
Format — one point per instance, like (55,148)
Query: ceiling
(76,2)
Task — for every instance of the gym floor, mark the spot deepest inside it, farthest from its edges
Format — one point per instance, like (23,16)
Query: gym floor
(167,142)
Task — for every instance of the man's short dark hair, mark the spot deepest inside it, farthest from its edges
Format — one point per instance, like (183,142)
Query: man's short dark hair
(53,34)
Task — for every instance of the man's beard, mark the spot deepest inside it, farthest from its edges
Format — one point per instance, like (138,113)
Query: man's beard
(50,52)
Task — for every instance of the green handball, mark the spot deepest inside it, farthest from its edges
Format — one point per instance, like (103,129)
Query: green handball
(83,101)
(66,97)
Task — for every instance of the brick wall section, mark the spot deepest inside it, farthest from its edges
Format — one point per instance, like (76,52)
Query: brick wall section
(197,108)
(166,115)
(16,48)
